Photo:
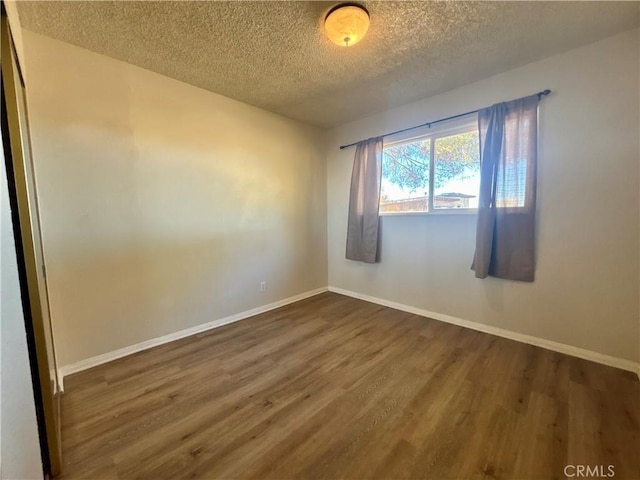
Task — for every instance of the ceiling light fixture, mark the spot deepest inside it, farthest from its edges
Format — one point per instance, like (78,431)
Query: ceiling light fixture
(346,24)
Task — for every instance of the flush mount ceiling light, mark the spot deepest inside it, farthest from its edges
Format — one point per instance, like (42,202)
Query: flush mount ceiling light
(346,24)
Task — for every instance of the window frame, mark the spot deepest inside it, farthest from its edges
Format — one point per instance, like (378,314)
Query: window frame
(462,125)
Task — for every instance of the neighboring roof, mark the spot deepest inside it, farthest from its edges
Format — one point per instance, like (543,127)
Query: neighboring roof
(455,195)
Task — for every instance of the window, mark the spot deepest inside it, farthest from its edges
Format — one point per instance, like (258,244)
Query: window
(445,162)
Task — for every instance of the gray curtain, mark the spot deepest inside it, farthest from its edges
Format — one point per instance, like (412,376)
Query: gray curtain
(505,234)
(364,202)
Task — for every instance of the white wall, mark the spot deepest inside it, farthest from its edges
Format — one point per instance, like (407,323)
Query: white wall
(164,205)
(586,288)
(19,443)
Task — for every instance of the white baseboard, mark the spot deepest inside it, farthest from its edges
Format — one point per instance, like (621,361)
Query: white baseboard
(57,385)
(60,381)
(500,332)
(154,342)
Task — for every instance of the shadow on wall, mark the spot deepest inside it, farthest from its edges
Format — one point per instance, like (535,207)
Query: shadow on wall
(111,299)
(144,240)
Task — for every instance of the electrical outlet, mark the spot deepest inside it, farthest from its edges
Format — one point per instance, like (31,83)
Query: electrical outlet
(263,286)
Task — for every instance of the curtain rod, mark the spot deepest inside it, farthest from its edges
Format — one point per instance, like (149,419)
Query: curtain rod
(428,124)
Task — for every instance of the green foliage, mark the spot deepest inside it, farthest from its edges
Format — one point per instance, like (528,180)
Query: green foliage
(408,165)
(457,156)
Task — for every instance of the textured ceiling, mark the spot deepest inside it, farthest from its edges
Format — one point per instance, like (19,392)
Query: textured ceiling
(274,54)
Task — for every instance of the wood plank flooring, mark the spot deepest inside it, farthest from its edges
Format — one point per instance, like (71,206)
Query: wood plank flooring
(333,387)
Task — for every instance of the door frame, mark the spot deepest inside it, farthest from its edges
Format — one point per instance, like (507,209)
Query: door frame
(21,213)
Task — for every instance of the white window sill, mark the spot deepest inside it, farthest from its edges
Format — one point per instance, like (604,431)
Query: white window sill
(457,211)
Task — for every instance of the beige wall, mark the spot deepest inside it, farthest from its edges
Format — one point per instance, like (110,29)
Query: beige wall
(586,288)
(163,205)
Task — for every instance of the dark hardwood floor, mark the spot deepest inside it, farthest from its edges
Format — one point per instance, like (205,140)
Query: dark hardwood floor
(333,387)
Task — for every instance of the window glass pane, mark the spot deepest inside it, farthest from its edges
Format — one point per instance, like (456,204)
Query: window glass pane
(457,171)
(511,178)
(405,177)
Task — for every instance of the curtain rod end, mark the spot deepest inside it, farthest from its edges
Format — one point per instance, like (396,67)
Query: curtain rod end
(543,93)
